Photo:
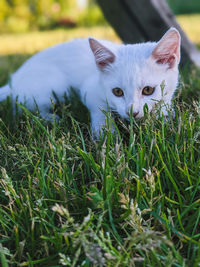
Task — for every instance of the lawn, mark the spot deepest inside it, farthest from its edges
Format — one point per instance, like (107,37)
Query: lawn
(130,199)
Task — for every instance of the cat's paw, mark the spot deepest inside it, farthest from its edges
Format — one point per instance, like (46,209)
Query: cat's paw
(96,134)
(167,114)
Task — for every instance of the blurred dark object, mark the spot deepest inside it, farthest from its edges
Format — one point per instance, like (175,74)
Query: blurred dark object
(146,20)
(65,22)
(59,23)
(184,6)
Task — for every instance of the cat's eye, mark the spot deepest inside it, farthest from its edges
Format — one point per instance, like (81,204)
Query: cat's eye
(148,90)
(118,92)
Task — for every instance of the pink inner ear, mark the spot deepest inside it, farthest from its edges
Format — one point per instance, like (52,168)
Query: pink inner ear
(103,56)
(167,51)
(170,60)
(102,63)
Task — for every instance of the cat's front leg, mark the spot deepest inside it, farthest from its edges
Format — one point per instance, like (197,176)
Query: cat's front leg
(167,109)
(48,116)
(97,122)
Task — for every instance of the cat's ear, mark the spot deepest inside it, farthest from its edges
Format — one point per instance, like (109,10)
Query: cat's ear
(167,51)
(103,56)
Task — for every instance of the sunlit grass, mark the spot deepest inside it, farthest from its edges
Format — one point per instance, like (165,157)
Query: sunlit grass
(16,48)
(32,42)
(191,26)
(29,43)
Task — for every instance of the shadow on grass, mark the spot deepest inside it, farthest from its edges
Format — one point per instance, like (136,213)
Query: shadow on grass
(9,64)
(189,84)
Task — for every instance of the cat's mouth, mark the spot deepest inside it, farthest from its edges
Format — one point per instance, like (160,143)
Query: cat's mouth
(134,114)
(116,115)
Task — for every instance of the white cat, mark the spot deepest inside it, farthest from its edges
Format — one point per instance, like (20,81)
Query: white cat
(106,75)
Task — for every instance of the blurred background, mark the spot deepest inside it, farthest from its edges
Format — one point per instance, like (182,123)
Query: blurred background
(27,26)
(66,19)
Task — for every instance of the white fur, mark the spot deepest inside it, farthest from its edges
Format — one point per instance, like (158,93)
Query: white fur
(73,64)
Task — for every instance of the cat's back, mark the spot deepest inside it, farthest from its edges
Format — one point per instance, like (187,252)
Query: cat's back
(74,52)
(72,61)
(60,53)
(54,65)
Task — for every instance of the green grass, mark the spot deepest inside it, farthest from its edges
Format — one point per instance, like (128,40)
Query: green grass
(131,199)
(184,6)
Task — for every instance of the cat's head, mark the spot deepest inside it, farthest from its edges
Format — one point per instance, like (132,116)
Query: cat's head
(139,74)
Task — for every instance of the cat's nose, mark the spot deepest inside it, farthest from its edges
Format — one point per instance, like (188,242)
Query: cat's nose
(135,114)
